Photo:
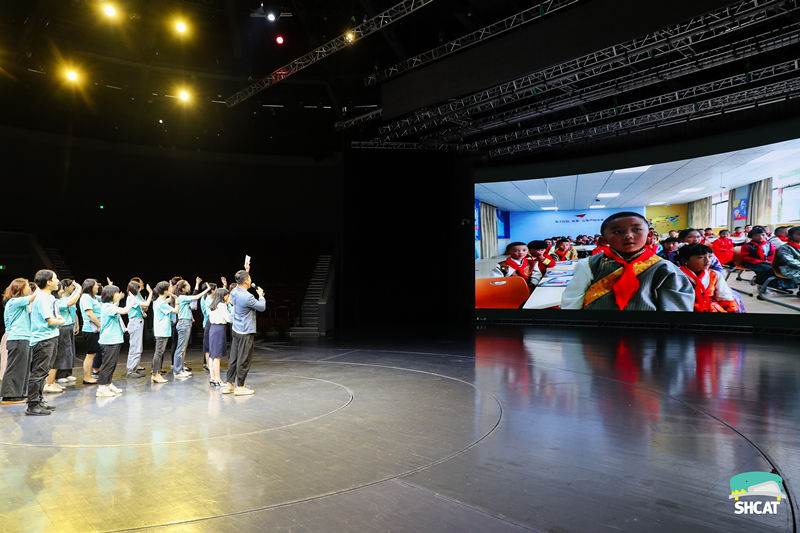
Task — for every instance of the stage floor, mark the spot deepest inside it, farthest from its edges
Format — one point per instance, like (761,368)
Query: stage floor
(550,430)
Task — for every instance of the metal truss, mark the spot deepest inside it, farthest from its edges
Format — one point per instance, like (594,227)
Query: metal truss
(632,54)
(752,46)
(361,119)
(375,145)
(478,36)
(786,68)
(376,23)
(748,98)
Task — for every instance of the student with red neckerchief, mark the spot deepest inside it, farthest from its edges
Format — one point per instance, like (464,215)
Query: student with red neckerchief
(538,254)
(518,264)
(628,276)
(564,251)
(723,248)
(758,254)
(712,294)
(780,237)
(788,255)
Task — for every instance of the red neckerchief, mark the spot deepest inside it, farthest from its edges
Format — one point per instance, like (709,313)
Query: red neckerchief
(654,246)
(782,239)
(701,296)
(519,268)
(544,263)
(600,249)
(723,240)
(627,284)
(760,249)
(738,234)
(794,245)
(562,256)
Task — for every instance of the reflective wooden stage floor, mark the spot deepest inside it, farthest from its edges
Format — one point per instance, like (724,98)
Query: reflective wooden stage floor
(550,430)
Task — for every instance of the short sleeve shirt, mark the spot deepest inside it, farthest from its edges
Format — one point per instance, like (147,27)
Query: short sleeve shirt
(136,310)
(110,326)
(89,302)
(162,319)
(184,311)
(42,309)
(17,317)
(67,312)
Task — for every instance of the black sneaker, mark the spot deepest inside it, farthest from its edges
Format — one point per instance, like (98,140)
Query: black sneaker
(47,406)
(95,375)
(135,374)
(36,410)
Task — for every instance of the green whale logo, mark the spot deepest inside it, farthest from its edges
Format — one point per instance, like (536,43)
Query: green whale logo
(757,484)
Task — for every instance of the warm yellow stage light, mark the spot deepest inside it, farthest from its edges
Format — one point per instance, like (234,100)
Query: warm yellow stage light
(72,75)
(184,96)
(181,27)
(110,11)
(349,37)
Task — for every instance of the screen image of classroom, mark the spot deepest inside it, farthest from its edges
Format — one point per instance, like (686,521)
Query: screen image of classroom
(752,194)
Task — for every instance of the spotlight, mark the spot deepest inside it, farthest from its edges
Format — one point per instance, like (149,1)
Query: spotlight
(109,10)
(279,39)
(181,27)
(183,95)
(271,17)
(72,75)
(349,37)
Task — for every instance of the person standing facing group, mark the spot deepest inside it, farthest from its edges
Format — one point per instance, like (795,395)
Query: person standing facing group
(243,328)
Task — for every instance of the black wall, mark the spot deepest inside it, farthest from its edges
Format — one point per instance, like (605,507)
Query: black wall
(408,241)
(168,212)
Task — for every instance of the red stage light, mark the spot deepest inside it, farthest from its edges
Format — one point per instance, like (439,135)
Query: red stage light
(279,39)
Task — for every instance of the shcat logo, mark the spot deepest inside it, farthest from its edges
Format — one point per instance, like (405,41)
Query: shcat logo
(757,484)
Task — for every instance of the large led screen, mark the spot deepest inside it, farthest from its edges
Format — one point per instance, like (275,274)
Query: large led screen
(713,234)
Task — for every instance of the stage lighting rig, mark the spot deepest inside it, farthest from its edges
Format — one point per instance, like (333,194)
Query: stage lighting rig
(260,13)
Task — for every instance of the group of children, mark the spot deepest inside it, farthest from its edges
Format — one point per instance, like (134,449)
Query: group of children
(630,269)
(41,322)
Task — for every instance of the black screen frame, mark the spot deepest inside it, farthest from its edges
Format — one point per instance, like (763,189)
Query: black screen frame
(717,144)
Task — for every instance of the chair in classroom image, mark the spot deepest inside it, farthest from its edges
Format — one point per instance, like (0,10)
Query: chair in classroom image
(500,293)
(776,275)
(739,268)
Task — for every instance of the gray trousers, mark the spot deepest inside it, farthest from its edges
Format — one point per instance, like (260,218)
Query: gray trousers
(42,358)
(136,332)
(184,328)
(239,359)
(158,354)
(18,370)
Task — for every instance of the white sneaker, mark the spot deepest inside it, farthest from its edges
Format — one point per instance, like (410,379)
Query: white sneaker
(53,388)
(243,391)
(114,388)
(62,380)
(71,379)
(183,375)
(104,392)
(227,389)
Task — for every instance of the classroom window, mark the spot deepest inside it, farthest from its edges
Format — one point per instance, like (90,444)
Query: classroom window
(719,214)
(786,204)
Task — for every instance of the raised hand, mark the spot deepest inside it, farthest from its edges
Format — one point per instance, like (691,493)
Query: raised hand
(198,280)
(149,289)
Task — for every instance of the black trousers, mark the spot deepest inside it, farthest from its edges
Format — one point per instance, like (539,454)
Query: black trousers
(110,356)
(158,355)
(240,357)
(18,370)
(43,356)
